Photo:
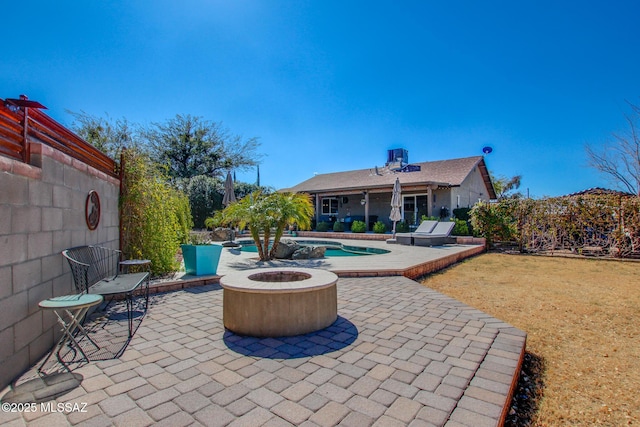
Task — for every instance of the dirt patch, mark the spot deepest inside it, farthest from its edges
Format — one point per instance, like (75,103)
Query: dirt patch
(582,318)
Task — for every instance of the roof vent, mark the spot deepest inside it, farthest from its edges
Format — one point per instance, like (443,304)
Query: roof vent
(410,168)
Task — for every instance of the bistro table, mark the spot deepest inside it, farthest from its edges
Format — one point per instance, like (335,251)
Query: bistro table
(127,264)
(70,311)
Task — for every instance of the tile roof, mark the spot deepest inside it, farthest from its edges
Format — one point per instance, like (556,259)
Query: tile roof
(444,172)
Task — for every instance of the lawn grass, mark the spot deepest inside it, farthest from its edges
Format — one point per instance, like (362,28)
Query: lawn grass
(582,319)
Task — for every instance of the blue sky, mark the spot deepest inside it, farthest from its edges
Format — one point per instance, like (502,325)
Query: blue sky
(329,85)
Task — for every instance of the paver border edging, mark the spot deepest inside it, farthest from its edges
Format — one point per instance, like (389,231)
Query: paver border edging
(514,383)
(509,345)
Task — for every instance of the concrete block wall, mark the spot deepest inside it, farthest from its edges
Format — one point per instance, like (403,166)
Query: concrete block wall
(42,212)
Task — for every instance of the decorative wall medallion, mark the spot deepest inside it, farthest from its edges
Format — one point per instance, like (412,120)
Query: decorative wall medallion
(92,210)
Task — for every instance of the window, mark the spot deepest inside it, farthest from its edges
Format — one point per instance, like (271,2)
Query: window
(329,206)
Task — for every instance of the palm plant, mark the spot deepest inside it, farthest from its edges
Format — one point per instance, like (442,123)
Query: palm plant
(267,214)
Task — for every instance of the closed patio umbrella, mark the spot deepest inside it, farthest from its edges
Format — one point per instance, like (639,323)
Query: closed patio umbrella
(396,203)
(228,198)
(229,194)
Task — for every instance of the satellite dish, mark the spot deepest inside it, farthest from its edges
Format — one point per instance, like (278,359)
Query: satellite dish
(487,150)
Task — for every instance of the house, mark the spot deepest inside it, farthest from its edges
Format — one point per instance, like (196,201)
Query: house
(428,188)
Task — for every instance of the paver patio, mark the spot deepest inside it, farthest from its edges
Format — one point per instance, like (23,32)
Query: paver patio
(399,354)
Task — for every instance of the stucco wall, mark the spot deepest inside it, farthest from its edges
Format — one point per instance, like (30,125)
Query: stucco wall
(442,198)
(42,212)
(472,189)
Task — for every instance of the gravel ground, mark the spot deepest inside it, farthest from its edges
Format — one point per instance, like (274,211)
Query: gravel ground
(529,392)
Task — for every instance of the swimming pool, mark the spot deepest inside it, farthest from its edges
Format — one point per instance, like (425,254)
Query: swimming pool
(332,249)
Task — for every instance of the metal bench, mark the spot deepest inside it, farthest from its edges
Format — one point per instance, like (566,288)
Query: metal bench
(96,270)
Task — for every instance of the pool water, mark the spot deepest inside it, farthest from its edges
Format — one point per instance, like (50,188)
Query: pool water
(331,252)
(333,249)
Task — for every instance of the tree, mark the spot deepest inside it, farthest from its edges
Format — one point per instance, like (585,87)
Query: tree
(205,197)
(189,146)
(619,159)
(105,134)
(194,153)
(503,186)
(264,213)
(206,193)
(244,188)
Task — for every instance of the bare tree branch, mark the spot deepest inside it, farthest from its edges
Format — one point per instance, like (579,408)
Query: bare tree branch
(619,158)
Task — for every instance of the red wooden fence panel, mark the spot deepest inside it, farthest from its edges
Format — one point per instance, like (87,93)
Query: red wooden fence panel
(11,133)
(43,129)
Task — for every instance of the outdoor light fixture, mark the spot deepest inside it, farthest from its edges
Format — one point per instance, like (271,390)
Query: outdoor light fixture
(23,102)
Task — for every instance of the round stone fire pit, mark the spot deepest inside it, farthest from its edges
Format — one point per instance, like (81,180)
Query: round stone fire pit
(278,302)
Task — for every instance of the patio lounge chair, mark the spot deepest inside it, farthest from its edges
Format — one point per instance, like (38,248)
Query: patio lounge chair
(438,235)
(425,227)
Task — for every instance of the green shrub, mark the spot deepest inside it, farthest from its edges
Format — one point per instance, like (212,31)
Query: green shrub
(402,227)
(610,222)
(214,221)
(379,227)
(461,228)
(205,196)
(322,226)
(358,227)
(494,222)
(197,238)
(338,226)
(462,213)
(156,218)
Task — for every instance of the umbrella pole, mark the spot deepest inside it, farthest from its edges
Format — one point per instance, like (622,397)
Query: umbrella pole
(393,235)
